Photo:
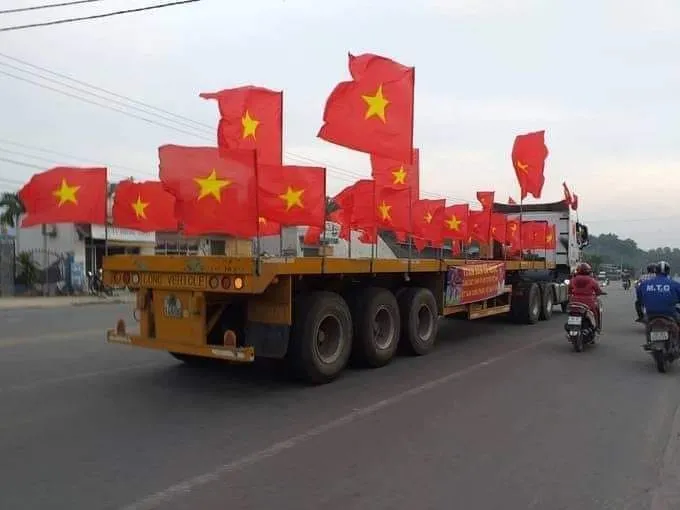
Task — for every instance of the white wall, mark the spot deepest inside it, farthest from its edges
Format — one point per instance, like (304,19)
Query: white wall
(65,240)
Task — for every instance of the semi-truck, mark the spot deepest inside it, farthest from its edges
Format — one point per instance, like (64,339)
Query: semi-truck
(318,312)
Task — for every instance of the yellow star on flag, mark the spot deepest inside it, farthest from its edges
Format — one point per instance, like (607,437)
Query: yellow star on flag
(548,238)
(399,175)
(513,226)
(493,230)
(66,193)
(428,217)
(262,220)
(249,125)
(376,104)
(384,211)
(453,223)
(139,207)
(293,198)
(522,166)
(211,185)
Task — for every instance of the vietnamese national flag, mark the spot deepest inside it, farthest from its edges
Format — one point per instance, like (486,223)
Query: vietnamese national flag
(292,195)
(574,202)
(456,222)
(533,235)
(529,153)
(144,206)
(511,201)
(397,174)
(373,113)
(251,118)
(215,189)
(428,219)
(480,226)
(486,199)
(268,227)
(65,195)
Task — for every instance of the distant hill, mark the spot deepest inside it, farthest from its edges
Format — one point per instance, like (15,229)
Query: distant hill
(609,249)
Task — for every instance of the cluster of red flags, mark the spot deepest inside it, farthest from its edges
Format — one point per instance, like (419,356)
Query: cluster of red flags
(242,188)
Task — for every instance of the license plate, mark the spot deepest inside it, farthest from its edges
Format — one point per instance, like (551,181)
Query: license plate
(658,336)
(574,320)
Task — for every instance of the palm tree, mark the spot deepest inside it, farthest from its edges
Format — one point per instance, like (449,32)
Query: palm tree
(11,210)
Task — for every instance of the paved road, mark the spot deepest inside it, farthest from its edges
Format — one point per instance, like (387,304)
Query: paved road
(502,416)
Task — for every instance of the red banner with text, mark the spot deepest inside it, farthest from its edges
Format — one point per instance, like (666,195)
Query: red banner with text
(474,282)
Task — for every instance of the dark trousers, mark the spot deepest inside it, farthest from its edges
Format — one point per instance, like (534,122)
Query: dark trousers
(638,309)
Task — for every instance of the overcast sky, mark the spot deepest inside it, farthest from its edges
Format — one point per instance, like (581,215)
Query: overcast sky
(602,77)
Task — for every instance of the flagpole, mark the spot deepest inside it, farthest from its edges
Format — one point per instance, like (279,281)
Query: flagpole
(374,227)
(106,218)
(410,227)
(325,215)
(521,238)
(257,217)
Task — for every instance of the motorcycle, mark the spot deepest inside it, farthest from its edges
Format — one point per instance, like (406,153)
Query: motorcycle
(663,341)
(95,283)
(580,326)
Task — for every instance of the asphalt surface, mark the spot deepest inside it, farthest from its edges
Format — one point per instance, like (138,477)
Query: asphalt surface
(499,416)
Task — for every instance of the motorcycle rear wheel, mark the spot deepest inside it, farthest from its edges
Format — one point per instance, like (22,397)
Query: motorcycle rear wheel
(578,343)
(661,361)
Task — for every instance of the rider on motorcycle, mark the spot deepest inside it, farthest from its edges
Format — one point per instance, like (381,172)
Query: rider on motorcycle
(584,289)
(660,295)
(651,273)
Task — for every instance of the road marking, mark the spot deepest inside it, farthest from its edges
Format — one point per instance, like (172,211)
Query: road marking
(84,375)
(186,486)
(70,335)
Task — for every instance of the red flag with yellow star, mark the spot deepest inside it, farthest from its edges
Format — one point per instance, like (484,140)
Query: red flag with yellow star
(529,153)
(456,222)
(251,118)
(428,218)
(292,195)
(373,113)
(215,189)
(398,174)
(144,206)
(268,227)
(383,207)
(480,226)
(65,195)
(551,237)
(534,235)
(486,199)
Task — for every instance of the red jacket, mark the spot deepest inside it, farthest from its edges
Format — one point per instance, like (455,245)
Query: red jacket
(584,289)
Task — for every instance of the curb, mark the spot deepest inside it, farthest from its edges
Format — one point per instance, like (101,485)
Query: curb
(65,304)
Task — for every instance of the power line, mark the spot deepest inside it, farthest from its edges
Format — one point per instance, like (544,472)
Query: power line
(48,6)
(339,172)
(96,16)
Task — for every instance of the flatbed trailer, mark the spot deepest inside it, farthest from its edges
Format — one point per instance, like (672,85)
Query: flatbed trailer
(317,312)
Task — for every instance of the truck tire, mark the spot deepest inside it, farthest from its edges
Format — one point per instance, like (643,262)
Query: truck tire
(376,321)
(419,324)
(526,303)
(547,302)
(321,337)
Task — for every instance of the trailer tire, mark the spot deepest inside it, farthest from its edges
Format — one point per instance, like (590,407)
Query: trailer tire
(419,320)
(547,302)
(321,338)
(526,303)
(375,306)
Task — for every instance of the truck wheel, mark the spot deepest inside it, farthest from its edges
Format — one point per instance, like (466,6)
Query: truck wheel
(418,310)
(321,337)
(547,302)
(376,327)
(526,303)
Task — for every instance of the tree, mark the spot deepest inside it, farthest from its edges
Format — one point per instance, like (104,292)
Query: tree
(11,210)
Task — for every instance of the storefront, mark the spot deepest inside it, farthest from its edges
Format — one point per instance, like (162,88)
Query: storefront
(116,241)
